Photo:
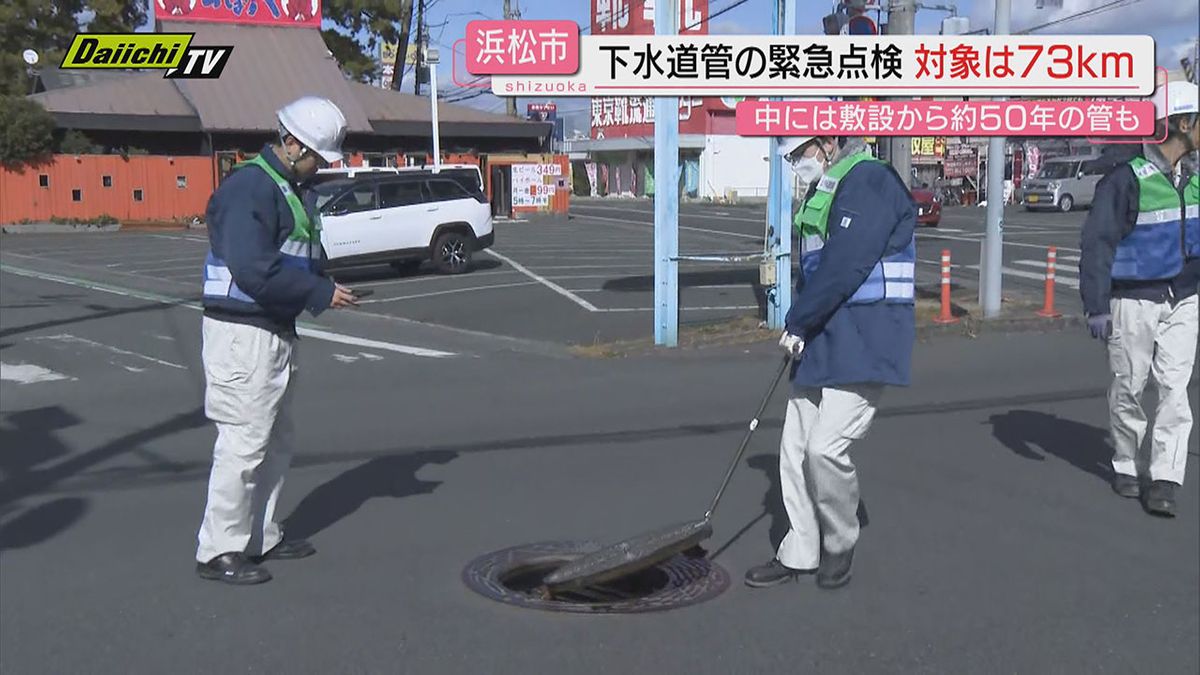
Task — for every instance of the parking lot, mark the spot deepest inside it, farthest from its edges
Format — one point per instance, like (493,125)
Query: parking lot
(581,279)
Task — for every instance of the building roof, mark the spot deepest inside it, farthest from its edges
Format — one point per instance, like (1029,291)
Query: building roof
(393,113)
(134,101)
(270,66)
(52,77)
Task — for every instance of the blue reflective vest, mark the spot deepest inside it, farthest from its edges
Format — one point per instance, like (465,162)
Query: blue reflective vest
(297,251)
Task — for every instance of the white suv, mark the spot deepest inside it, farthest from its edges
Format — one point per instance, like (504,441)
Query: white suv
(403,217)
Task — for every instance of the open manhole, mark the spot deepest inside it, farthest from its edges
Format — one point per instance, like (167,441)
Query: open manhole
(514,576)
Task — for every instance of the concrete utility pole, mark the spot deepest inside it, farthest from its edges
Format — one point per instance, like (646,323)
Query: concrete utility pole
(666,198)
(990,276)
(902,16)
(420,60)
(510,104)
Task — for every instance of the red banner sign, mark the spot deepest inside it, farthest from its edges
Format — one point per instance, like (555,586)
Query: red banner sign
(626,117)
(301,13)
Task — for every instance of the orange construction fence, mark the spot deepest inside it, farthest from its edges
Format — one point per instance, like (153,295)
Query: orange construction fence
(140,188)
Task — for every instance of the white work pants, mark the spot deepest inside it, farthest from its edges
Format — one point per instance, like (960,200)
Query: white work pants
(1152,339)
(247,371)
(819,484)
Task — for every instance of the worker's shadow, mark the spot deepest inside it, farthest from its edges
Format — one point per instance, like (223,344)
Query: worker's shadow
(393,476)
(1033,435)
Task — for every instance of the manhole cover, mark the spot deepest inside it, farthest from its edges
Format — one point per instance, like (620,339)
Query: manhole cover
(514,576)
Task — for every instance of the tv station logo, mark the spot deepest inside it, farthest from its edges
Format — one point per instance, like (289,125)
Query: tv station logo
(172,53)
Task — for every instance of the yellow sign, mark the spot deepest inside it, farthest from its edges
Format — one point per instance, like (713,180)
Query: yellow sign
(126,50)
(388,52)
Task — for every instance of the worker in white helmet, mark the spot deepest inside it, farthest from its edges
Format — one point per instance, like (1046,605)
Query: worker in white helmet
(851,329)
(259,275)
(1139,273)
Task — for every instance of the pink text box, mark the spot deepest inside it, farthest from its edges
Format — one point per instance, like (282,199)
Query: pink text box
(522,47)
(946,118)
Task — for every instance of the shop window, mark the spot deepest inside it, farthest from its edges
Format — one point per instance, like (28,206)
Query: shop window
(77,195)
(137,195)
(181,182)
(43,180)
(106,181)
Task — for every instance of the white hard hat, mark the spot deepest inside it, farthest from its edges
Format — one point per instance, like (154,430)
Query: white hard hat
(1177,98)
(790,144)
(317,123)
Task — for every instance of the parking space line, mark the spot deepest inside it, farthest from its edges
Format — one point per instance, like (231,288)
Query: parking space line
(431,294)
(543,280)
(94,268)
(722,308)
(303,331)
(694,215)
(643,225)
(67,337)
(426,278)
(976,240)
(28,373)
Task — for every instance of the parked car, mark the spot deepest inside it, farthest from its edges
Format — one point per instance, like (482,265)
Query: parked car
(403,218)
(467,174)
(929,207)
(1063,183)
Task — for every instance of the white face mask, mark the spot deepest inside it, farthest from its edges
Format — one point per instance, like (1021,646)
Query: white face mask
(809,169)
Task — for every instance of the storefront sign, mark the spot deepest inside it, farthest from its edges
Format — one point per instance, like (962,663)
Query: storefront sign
(533,184)
(301,13)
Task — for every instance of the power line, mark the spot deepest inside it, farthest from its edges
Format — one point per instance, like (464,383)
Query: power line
(1116,4)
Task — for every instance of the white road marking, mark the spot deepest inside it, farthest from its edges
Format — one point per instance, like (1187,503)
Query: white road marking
(643,225)
(179,237)
(452,291)
(681,308)
(543,280)
(1022,274)
(370,357)
(976,240)
(27,373)
(315,333)
(339,338)
(427,278)
(67,337)
(693,215)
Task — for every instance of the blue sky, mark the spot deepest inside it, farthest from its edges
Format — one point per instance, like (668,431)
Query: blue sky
(1173,24)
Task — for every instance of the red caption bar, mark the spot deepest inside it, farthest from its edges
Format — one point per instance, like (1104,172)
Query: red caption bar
(957,118)
(522,47)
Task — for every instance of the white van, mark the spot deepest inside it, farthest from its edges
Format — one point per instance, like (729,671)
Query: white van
(1064,183)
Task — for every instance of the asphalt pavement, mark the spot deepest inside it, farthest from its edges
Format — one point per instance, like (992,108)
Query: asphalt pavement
(583,279)
(995,543)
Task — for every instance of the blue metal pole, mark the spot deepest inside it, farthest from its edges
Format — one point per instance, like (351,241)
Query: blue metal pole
(779,198)
(771,243)
(666,197)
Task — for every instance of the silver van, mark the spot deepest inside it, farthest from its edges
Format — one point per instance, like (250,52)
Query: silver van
(1064,183)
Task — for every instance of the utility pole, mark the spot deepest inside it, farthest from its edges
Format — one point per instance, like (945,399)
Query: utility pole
(420,51)
(510,104)
(901,21)
(990,282)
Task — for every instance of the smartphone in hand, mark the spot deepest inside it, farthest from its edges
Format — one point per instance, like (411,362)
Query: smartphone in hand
(360,293)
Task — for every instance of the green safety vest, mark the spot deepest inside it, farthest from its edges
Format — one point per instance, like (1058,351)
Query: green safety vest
(893,278)
(1191,200)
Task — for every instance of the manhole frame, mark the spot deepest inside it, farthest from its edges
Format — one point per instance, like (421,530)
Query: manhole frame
(692,580)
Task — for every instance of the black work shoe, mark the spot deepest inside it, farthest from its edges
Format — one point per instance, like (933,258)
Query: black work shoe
(289,549)
(233,568)
(1160,499)
(771,574)
(834,571)
(1126,486)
